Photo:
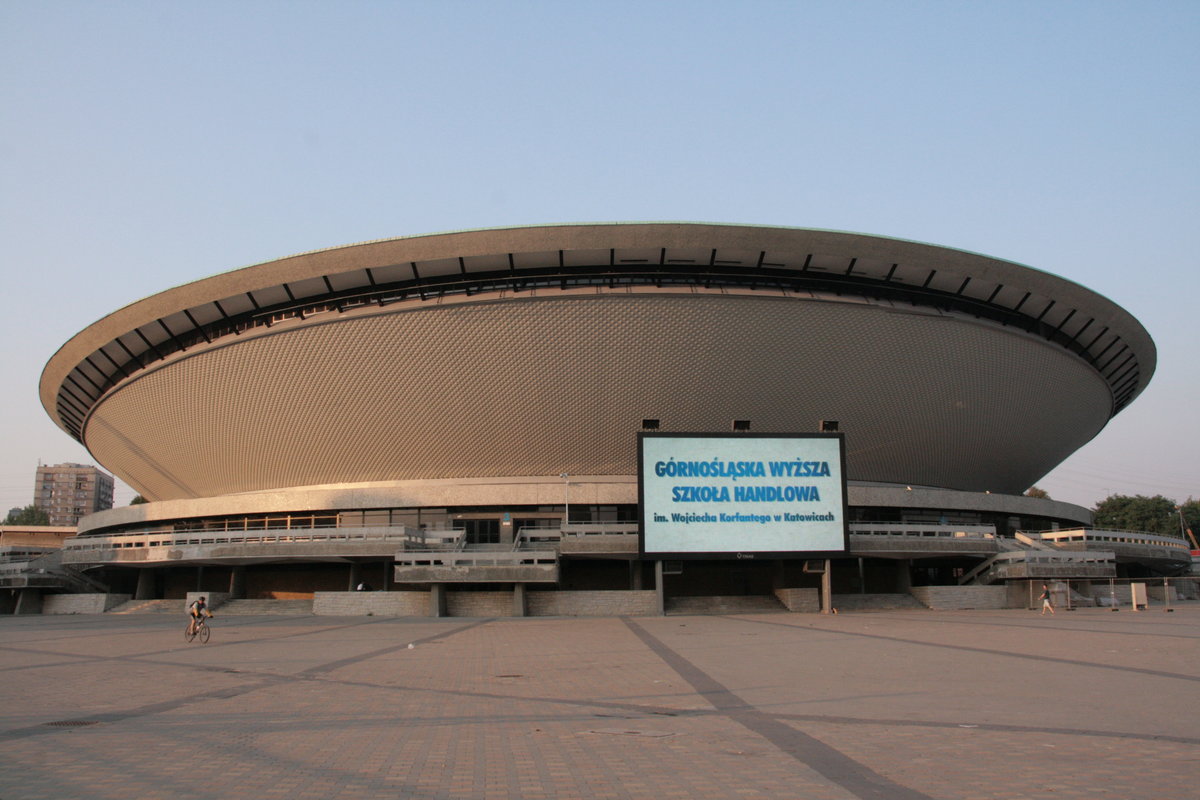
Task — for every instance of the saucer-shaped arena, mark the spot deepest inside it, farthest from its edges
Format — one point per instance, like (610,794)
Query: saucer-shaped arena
(465,373)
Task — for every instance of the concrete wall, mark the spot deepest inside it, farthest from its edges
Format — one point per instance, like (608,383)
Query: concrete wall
(479,604)
(487,604)
(807,601)
(637,603)
(81,603)
(378,604)
(949,598)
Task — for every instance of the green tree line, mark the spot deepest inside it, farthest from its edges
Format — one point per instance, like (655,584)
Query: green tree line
(1155,514)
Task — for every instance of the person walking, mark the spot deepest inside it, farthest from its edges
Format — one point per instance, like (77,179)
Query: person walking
(1047,605)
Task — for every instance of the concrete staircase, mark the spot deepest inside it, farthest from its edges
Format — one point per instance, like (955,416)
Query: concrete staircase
(46,571)
(249,608)
(875,602)
(727,604)
(150,607)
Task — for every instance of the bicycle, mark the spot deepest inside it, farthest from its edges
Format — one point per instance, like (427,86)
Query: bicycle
(201,629)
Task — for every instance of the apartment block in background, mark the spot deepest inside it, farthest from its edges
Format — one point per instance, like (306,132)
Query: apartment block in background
(67,492)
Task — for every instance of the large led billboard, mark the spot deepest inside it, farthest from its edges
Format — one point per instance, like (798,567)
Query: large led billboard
(741,494)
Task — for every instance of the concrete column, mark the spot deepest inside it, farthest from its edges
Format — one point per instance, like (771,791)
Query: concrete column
(903,576)
(200,578)
(355,576)
(437,600)
(145,585)
(660,595)
(519,609)
(635,574)
(862,577)
(237,583)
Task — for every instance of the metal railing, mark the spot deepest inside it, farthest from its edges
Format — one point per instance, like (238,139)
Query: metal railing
(1107,538)
(1018,564)
(165,538)
(1158,593)
(478,558)
(922,530)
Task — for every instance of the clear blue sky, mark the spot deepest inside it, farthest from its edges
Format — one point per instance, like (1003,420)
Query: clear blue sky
(148,144)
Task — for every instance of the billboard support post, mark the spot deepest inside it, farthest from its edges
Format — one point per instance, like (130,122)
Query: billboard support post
(659,595)
(826,588)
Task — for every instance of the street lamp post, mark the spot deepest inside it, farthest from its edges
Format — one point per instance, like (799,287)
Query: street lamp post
(566,498)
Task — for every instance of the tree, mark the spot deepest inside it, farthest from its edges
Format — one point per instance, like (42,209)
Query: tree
(1041,494)
(1191,517)
(1139,513)
(138,500)
(29,515)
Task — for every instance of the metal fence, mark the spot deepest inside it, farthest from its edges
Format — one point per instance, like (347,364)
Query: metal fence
(1117,594)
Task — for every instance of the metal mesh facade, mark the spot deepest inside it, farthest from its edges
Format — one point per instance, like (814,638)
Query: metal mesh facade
(534,384)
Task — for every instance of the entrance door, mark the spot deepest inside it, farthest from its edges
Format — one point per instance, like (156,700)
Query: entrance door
(482,531)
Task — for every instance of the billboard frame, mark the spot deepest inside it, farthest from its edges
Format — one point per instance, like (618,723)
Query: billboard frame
(734,554)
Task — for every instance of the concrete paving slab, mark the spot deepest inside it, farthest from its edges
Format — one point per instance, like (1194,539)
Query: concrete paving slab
(895,705)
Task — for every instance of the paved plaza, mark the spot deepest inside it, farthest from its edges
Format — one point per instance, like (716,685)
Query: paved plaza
(888,705)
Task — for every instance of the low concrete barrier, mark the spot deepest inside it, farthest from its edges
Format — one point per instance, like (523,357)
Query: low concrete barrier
(479,604)
(371,604)
(487,604)
(611,603)
(806,601)
(81,603)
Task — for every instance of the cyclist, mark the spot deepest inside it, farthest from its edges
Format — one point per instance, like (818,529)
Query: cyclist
(197,610)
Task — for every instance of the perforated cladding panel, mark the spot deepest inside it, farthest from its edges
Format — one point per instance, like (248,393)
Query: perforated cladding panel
(744,258)
(179,324)
(585,258)
(542,386)
(308,287)
(393,273)
(341,281)
(687,255)
(489,263)
(237,304)
(821,262)
(205,314)
(548,258)
(439,266)
(638,255)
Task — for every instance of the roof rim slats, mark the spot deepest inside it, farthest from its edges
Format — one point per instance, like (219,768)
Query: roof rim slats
(80,390)
(1082,330)
(171,335)
(66,395)
(1124,349)
(861,281)
(197,326)
(83,373)
(731,255)
(116,364)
